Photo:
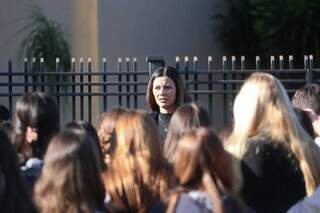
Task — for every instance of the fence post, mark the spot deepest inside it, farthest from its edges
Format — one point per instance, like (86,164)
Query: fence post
(120,81)
(73,80)
(135,80)
(310,71)
(81,90)
(89,90)
(225,88)
(154,62)
(10,88)
(210,69)
(128,82)
(195,85)
(42,70)
(306,68)
(104,67)
(26,87)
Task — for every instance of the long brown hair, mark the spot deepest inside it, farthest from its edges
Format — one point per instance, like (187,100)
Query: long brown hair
(70,179)
(184,119)
(201,163)
(137,174)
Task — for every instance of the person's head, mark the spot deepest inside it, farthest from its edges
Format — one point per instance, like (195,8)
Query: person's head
(4,114)
(166,91)
(13,191)
(106,132)
(85,128)
(70,180)
(202,164)
(307,98)
(184,119)
(36,121)
(263,106)
(137,165)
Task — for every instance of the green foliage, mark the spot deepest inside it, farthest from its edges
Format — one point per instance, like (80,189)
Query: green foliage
(45,39)
(270,27)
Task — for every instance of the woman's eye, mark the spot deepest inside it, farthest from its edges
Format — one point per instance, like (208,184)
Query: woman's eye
(168,87)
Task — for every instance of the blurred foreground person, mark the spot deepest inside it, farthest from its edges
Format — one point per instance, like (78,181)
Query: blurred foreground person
(307,99)
(185,118)
(70,180)
(36,122)
(106,132)
(279,164)
(14,196)
(203,184)
(137,175)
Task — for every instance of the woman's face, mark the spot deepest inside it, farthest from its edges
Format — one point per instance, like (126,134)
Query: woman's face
(164,92)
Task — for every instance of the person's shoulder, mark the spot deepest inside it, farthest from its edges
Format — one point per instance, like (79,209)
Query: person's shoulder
(154,115)
(308,205)
(187,204)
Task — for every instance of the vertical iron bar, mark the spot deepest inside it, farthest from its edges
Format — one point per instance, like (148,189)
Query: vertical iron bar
(34,77)
(272,63)
(234,76)
(81,90)
(58,81)
(128,82)
(104,77)
(26,75)
(210,69)
(42,74)
(243,66)
(257,62)
(89,90)
(225,97)
(135,87)
(195,86)
(10,88)
(186,68)
(311,74)
(73,80)
(290,62)
(120,81)
(177,62)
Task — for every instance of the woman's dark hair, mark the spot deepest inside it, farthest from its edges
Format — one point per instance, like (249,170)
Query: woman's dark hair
(86,128)
(14,196)
(184,119)
(39,111)
(305,121)
(182,95)
(71,179)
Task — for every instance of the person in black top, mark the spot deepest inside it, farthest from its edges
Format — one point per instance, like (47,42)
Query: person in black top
(278,161)
(165,93)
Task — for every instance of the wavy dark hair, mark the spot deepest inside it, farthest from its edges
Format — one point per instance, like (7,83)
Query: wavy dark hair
(14,196)
(70,179)
(40,111)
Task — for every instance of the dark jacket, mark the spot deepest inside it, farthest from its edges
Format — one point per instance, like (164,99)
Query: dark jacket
(273,180)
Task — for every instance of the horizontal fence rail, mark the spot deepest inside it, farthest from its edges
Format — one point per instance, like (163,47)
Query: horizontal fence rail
(126,85)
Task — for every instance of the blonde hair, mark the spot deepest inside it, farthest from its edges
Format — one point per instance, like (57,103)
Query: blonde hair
(262,105)
(137,174)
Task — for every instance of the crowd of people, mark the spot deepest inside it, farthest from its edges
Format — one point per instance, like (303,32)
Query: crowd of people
(170,159)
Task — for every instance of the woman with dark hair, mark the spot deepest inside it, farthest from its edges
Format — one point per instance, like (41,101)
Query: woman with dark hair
(14,196)
(203,184)
(36,122)
(70,180)
(165,93)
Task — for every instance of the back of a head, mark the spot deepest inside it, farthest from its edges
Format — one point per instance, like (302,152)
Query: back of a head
(70,179)
(137,166)
(308,97)
(184,119)
(87,130)
(106,131)
(40,112)
(270,112)
(13,192)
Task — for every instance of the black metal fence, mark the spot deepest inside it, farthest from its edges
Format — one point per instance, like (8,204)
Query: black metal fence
(214,87)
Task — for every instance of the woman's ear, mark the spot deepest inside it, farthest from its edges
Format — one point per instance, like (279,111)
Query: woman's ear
(31,134)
